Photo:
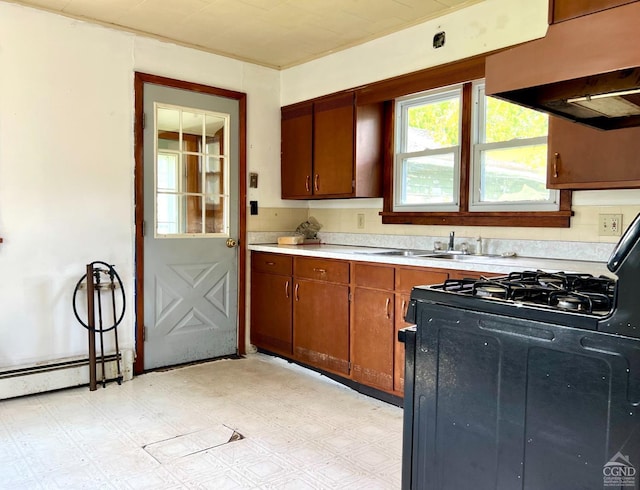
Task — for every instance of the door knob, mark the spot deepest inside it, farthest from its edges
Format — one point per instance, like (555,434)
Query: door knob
(231,242)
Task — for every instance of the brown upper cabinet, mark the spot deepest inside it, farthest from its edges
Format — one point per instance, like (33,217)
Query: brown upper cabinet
(561,10)
(585,158)
(332,148)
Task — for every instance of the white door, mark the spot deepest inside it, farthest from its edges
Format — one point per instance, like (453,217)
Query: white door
(191,143)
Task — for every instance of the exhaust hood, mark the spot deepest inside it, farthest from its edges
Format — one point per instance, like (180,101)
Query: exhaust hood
(585,69)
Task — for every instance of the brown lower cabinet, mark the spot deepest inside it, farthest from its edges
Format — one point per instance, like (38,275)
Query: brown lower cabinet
(372,325)
(321,325)
(271,301)
(339,316)
(406,279)
(321,313)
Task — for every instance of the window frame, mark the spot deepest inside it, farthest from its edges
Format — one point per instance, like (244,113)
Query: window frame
(399,169)
(203,154)
(477,147)
(462,71)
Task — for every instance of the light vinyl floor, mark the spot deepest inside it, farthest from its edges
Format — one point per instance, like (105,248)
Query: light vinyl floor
(257,422)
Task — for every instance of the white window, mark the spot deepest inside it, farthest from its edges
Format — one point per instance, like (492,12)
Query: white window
(427,160)
(192,172)
(507,156)
(509,159)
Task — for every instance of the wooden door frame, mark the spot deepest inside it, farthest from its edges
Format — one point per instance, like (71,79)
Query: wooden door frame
(139,81)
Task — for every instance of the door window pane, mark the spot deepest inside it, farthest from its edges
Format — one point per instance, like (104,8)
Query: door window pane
(191,172)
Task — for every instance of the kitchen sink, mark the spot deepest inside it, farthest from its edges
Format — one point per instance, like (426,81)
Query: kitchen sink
(460,256)
(408,253)
(436,254)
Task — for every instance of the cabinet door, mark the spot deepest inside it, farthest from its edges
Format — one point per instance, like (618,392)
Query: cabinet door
(333,146)
(297,151)
(372,334)
(562,10)
(402,303)
(587,158)
(271,314)
(321,325)
(407,278)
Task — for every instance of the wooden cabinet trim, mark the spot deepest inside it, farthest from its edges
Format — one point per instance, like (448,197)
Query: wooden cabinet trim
(318,269)
(377,276)
(408,277)
(272,263)
(562,10)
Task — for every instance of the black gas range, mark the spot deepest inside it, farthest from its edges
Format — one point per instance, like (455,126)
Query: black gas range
(526,381)
(535,294)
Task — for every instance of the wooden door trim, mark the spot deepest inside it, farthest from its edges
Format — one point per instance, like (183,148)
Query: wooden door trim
(139,80)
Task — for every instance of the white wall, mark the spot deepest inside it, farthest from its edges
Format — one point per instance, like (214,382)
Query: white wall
(486,26)
(66,164)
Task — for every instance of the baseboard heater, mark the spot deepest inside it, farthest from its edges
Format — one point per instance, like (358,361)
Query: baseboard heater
(57,374)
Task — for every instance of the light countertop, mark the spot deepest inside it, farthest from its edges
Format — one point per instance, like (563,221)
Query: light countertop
(493,264)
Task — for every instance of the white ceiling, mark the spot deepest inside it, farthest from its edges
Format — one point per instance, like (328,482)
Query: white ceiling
(274,33)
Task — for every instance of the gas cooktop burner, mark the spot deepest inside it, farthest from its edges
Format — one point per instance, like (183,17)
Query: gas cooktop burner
(562,291)
(569,303)
(489,291)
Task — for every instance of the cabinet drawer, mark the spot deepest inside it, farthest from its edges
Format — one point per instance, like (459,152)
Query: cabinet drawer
(373,276)
(274,263)
(321,269)
(472,274)
(408,278)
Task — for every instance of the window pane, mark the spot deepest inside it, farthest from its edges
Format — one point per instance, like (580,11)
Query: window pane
(191,172)
(192,126)
(168,217)
(168,125)
(167,173)
(168,120)
(433,125)
(214,219)
(429,179)
(215,134)
(514,174)
(505,121)
(193,214)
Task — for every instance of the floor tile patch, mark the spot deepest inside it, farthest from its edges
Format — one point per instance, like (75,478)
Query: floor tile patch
(185,445)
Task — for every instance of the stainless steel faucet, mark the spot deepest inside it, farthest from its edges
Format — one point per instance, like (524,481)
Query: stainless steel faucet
(452,236)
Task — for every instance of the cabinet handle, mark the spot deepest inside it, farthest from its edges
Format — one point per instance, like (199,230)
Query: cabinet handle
(386,307)
(404,308)
(555,164)
(286,289)
(319,271)
(316,183)
(270,263)
(307,183)
(296,291)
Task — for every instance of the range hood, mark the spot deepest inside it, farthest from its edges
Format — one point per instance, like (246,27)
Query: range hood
(585,69)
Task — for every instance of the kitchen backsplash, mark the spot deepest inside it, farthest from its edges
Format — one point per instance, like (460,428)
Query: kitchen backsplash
(340,226)
(589,251)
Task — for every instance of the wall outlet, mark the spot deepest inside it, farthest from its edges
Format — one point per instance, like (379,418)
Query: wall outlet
(610,225)
(360,221)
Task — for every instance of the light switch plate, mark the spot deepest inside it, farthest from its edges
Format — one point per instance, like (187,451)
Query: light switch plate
(610,225)
(253,180)
(360,221)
